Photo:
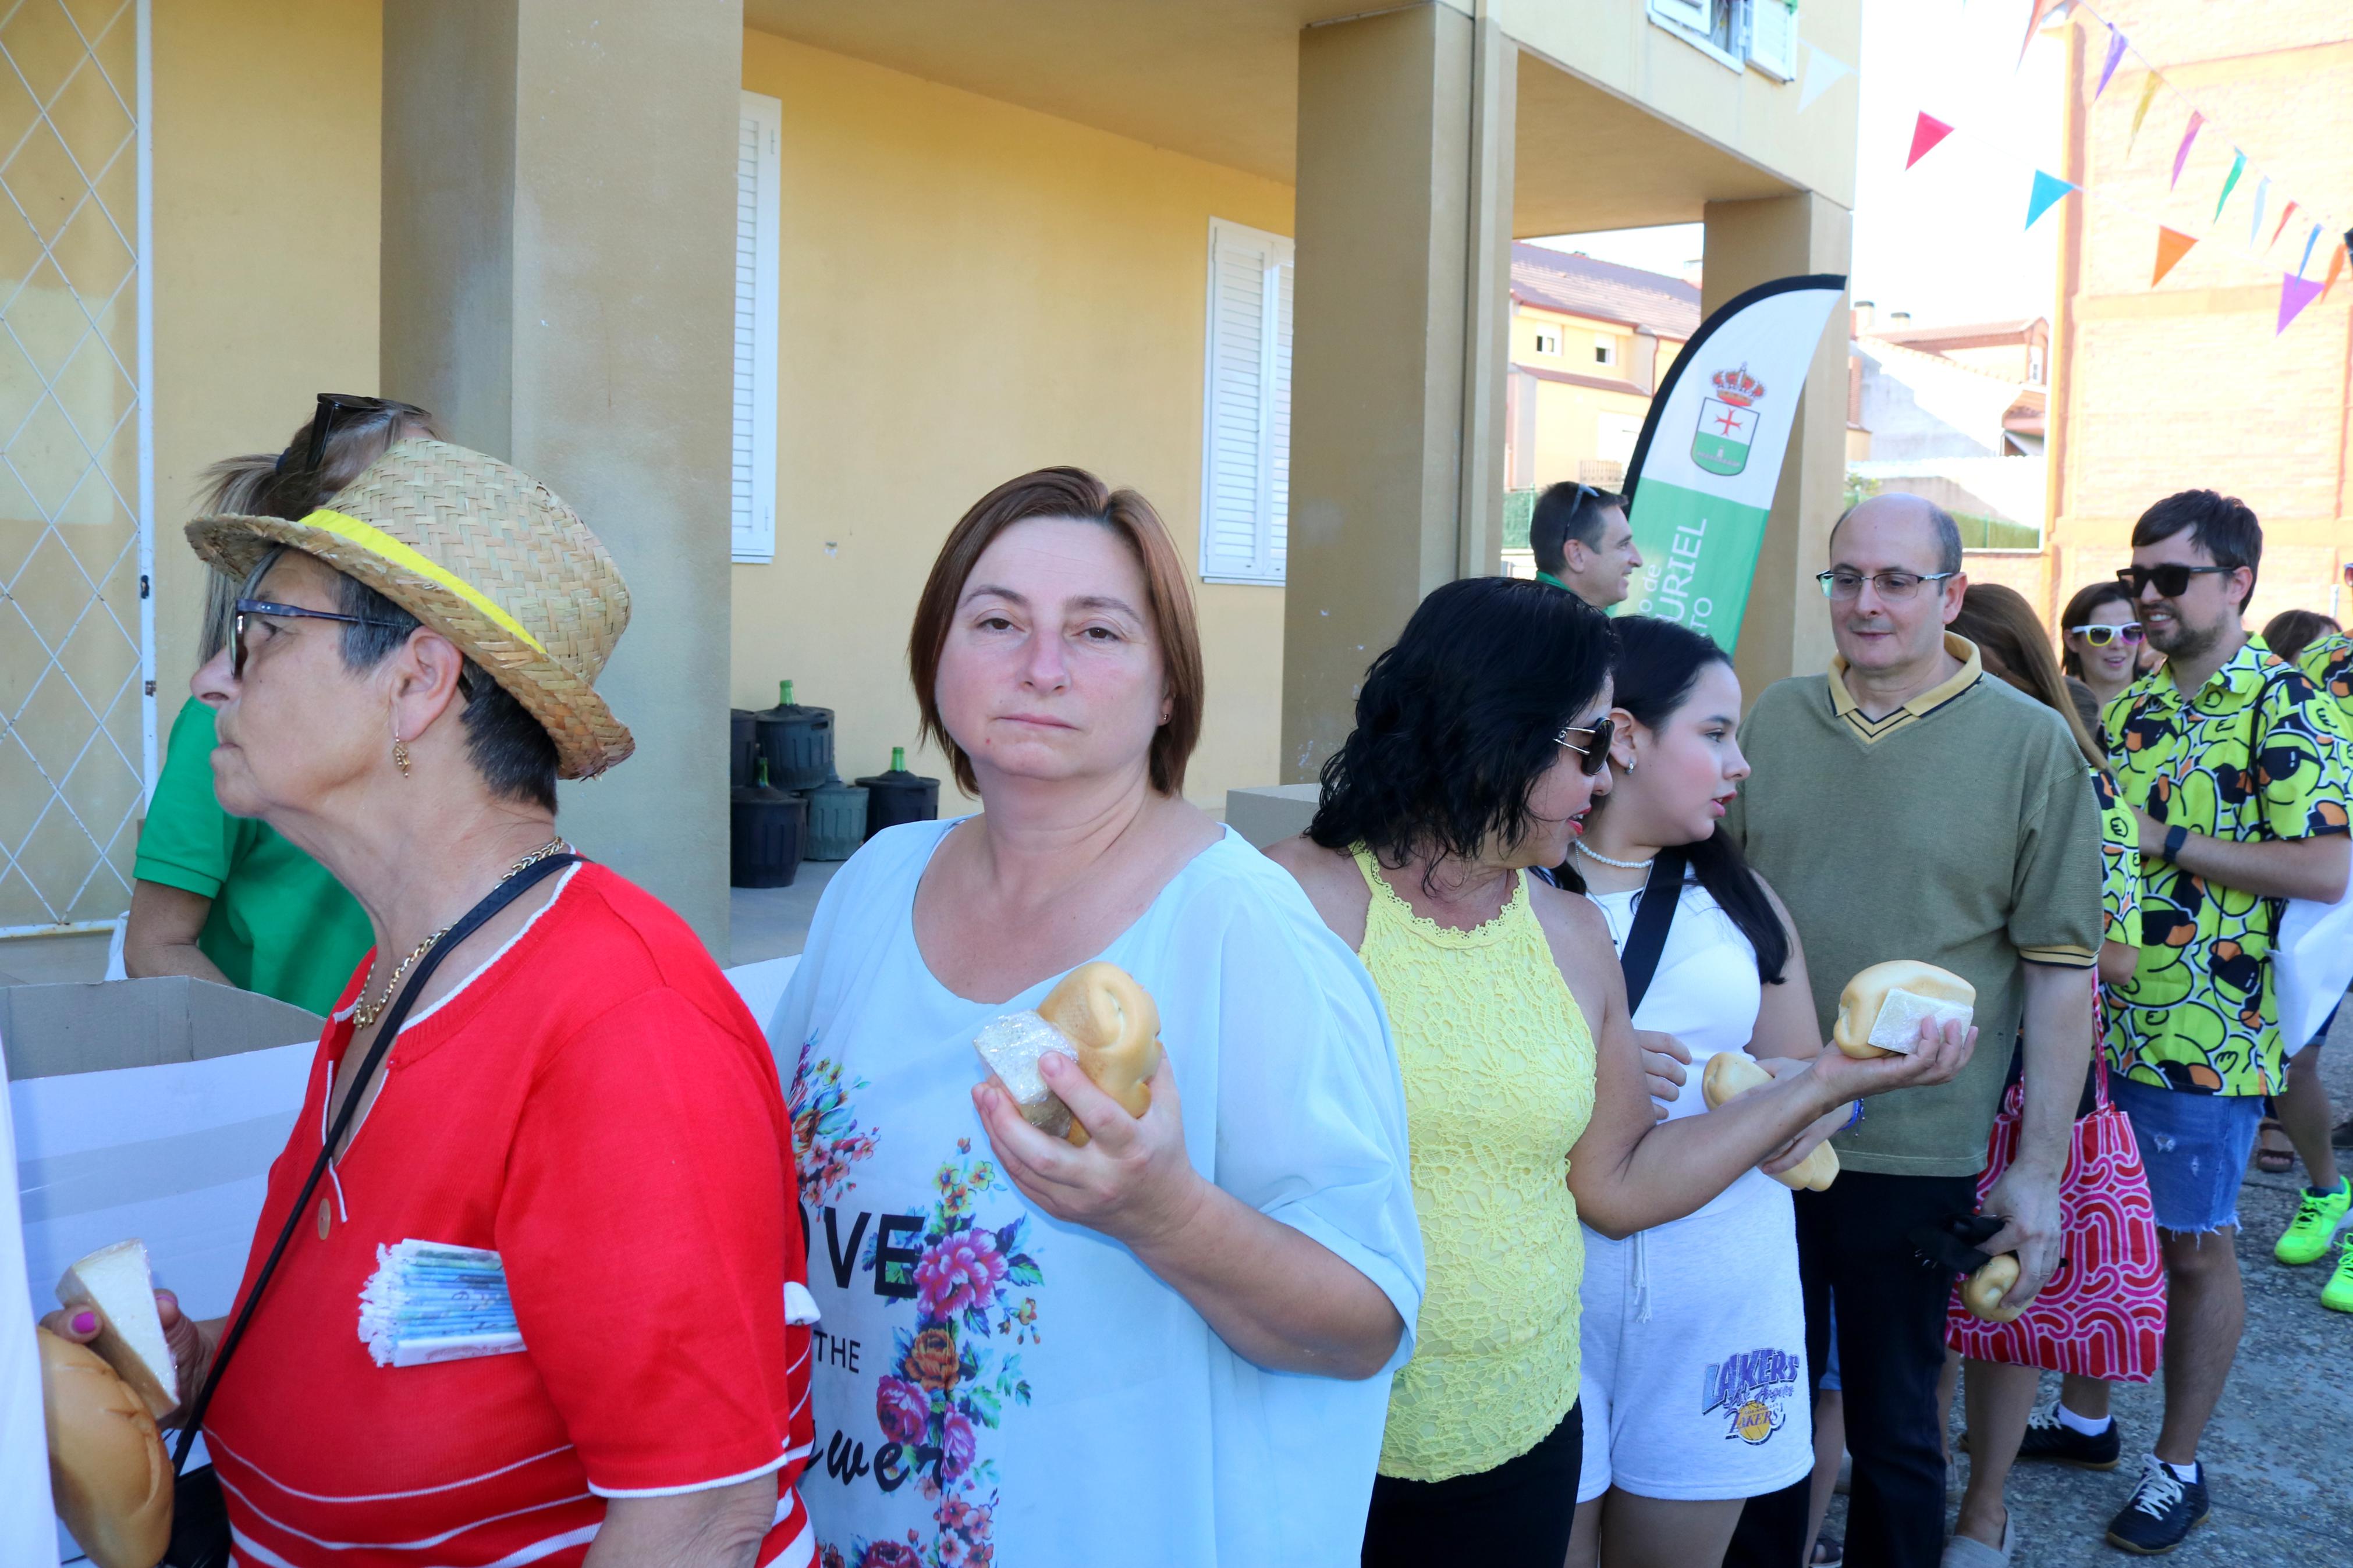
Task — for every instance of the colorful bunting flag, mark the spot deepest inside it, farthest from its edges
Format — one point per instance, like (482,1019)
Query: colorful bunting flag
(2285,212)
(2309,241)
(2181,153)
(2296,293)
(1926,131)
(2034,13)
(2172,244)
(2238,167)
(2335,265)
(2149,84)
(2048,188)
(1824,71)
(2109,65)
(2255,224)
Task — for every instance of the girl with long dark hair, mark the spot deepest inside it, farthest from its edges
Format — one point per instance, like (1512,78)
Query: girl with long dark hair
(1661,1484)
(1484,740)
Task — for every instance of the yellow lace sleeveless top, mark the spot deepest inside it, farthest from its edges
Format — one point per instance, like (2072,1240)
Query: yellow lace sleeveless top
(1498,1069)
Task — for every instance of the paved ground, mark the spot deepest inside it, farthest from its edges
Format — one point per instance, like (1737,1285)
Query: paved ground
(2277,1457)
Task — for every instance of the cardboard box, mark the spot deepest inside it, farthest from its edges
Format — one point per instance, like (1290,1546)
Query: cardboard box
(55,1029)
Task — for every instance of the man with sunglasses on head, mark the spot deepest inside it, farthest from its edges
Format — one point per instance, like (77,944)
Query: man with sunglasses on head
(2236,767)
(1583,543)
(1905,806)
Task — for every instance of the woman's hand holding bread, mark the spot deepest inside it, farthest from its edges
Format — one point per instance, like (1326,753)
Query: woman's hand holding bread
(1130,1179)
(192,1341)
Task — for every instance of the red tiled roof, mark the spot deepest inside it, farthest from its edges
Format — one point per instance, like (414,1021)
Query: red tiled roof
(1570,378)
(1603,291)
(1969,334)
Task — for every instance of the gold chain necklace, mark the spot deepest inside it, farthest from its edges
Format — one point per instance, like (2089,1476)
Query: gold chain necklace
(364,1015)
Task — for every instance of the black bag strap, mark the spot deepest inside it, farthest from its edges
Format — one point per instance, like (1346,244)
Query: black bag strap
(1648,939)
(497,899)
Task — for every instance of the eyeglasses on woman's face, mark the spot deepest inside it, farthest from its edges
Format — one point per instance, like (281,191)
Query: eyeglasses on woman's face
(2097,634)
(1593,751)
(274,611)
(1840,582)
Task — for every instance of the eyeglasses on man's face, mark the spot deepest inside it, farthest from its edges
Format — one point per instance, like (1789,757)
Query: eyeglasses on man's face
(1840,583)
(275,611)
(2099,635)
(2172,578)
(1593,751)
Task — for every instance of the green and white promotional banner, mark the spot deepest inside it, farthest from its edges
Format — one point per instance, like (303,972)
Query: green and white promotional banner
(1706,466)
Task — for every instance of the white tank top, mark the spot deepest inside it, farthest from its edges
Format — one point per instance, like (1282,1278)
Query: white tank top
(1705,992)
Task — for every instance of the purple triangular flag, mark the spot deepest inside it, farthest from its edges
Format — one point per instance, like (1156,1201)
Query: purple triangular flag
(2108,66)
(2296,293)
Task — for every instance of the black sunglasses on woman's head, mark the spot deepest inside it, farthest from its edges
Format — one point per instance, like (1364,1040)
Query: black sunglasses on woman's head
(334,406)
(1593,755)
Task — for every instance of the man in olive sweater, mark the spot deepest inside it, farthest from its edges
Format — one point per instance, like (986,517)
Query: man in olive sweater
(1906,806)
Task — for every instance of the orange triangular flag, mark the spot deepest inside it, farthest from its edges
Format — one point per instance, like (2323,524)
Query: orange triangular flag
(2172,244)
(2336,265)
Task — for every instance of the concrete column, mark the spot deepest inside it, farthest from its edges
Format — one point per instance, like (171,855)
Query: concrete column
(559,217)
(1399,345)
(1785,630)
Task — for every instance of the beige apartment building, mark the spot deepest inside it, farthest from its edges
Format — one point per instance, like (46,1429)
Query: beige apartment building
(2188,384)
(773,289)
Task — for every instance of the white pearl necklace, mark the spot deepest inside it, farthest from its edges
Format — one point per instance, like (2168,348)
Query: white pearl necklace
(1606,861)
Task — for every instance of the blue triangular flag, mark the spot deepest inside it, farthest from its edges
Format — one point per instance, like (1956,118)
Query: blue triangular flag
(2048,188)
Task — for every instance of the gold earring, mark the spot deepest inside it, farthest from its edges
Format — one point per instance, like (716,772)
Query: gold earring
(400,756)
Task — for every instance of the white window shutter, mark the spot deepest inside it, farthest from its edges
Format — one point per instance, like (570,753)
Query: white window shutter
(759,221)
(1246,406)
(1773,38)
(1692,14)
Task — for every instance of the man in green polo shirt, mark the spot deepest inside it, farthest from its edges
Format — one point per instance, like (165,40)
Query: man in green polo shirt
(1905,806)
(1583,543)
(2236,767)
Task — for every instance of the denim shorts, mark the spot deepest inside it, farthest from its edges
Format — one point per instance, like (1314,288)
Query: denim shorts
(2195,1147)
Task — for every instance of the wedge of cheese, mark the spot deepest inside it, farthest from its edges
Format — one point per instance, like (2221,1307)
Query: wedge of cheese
(117,1282)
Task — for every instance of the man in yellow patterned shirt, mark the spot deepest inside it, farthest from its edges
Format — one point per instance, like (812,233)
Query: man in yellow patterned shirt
(2236,768)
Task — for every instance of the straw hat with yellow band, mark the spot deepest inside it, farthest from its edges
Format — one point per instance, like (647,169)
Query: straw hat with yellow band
(485,555)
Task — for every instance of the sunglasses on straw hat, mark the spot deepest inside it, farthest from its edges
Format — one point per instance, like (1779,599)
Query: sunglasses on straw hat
(482,554)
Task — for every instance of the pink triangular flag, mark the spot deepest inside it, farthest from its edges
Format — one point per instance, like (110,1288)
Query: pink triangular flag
(2034,11)
(1926,131)
(2115,58)
(2181,153)
(2296,293)
(2285,212)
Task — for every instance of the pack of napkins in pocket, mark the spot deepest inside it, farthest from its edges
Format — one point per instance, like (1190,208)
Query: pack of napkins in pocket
(429,1301)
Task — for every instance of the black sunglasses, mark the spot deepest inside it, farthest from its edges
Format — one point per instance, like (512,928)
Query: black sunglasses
(334,406)
(286,613)
(2172,579)
(1594,755)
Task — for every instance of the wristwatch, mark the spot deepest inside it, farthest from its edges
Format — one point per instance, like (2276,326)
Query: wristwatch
(2175,837)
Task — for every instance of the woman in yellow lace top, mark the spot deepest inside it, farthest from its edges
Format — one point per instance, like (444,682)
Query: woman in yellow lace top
(1482,739)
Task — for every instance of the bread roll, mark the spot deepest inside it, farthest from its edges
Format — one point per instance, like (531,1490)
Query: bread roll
(1731,1074)
(1116,1027)
(1099,1017)
(117,1282)
(1982,1292)
(1880,1008)
(111,1478)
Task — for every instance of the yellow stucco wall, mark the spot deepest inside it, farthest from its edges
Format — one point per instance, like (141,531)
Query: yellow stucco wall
(971,290)
(267,116)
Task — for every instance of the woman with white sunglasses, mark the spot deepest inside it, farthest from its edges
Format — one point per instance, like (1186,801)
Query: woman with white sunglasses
(2103,640)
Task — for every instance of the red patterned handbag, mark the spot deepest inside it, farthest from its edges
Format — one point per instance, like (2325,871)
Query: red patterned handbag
(2103,1314)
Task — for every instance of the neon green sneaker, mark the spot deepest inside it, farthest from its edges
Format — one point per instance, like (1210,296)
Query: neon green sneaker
(2337,1294)
(2307,1235)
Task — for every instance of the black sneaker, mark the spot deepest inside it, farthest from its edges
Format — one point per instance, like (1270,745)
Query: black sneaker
(2048,1438)
(2164,1510)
